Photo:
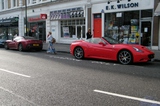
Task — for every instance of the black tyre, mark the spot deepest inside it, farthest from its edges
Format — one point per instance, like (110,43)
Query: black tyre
(6,46)
(78,53)
(125,57)
(20,47)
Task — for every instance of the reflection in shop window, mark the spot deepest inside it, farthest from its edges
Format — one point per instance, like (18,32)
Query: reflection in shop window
(8,32)
(73,28)
(124,28)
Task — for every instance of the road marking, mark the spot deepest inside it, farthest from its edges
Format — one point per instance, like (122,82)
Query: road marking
(64,58)
(128,97)
(97,62)
(11,92)
(14,73)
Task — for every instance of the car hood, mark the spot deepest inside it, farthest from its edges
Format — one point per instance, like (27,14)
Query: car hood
(2,40)
(140,47)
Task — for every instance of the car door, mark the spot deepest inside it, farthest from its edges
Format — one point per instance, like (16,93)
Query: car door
(13,43)
(96,48)
(108,51)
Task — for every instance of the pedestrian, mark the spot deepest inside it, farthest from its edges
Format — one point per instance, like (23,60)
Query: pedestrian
(89,35)
(51,42)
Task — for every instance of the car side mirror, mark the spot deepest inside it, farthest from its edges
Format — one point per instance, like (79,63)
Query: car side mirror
(101,43)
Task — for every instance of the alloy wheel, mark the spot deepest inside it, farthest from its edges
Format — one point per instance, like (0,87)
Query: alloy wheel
(20,48)
(125,57)
(78,53)
(6,46)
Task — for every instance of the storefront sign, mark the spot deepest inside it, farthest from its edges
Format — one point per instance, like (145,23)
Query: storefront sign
(122,6)
(43,16)
(10,21)
(15,19)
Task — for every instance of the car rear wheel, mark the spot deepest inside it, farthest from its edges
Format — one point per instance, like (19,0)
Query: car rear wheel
(78,53)
(125,57)
(20,47)
(6,46)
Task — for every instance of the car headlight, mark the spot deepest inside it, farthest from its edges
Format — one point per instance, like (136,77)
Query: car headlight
(137,50)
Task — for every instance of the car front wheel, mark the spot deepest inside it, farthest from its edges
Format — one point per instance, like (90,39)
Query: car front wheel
(20,47)
(6,46)
(78,53)
(125,57)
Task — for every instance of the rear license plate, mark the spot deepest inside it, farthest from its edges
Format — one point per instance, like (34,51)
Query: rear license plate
(35,44)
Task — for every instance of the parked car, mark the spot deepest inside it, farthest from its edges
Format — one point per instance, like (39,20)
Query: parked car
(110,49)
(2,40)
(24,43)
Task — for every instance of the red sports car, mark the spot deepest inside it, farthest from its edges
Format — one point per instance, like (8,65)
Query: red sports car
(24,43)
(110,49)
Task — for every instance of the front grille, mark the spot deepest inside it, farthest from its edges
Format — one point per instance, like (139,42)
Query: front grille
(151,56)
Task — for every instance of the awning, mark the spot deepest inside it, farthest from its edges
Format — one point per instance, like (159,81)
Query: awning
(157,11)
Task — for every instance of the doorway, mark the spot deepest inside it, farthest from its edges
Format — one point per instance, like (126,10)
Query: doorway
(39,30)
(80,32)
(146,29)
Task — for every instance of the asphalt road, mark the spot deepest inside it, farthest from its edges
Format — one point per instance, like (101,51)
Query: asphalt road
(40,79)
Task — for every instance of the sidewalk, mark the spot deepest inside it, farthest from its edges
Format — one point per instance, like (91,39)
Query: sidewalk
(65,48)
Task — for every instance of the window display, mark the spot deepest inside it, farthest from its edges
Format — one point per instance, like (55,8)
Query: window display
(124,28)
(73,28)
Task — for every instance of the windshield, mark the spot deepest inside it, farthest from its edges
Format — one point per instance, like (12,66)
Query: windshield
(111,40)
(3,37)
(29,37)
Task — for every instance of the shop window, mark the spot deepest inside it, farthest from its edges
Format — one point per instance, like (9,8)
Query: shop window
(8,32)
(2,4)
(73,28)
(77,22)
(146,13)
(73,22)
(122,26)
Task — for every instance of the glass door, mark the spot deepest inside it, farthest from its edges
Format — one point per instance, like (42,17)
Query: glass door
(146,33)
(80,32)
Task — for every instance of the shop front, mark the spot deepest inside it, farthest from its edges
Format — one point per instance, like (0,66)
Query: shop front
(37,26)
(8,28)
(130,22)
(71,24)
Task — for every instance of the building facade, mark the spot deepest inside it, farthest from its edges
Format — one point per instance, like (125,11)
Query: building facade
(129,21)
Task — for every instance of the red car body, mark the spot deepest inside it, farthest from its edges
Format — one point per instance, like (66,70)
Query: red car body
(110,49)
(24,43)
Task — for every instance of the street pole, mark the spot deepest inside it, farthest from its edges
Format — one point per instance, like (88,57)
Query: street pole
(26,16)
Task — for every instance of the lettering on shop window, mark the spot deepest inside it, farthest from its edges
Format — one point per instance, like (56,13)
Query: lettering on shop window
(122,6)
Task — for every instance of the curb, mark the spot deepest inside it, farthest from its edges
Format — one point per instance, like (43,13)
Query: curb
(59,51)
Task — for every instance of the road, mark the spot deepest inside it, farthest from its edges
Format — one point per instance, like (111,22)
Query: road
(40,79)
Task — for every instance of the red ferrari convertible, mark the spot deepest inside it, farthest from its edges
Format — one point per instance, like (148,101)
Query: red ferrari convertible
(24,43)
(110,49)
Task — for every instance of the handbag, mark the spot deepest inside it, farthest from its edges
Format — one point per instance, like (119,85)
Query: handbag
(53,40)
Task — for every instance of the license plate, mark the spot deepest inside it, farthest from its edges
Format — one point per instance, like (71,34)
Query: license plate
(35,44)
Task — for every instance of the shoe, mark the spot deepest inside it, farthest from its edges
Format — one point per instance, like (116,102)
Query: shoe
(55,53)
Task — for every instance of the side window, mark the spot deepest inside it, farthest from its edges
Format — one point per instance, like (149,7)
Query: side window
(17,38)
(96,40)
(103,41)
